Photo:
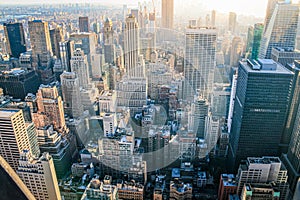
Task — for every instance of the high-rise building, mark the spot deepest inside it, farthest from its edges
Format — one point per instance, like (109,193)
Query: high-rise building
(213,18)
(259,116)
(232,22)
(56,37)
(39,176)
(269,12)
(236,51)
(10,181)
(167,14)
(281,30)
(200,60)
(291,159)
(13,136)
(109,47)
(264,170)
(14,34)
(50,108)
(132,48)
(83,24)
(71,94)
(40,43)
(256,41)
(199,112)
(59,148)
(66,48)
(79,65)
(87,43)
(132,89)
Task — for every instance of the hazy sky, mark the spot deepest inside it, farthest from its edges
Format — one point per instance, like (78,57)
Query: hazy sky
(248,7)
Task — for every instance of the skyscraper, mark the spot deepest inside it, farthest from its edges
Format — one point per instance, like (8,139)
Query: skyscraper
(56,37)
(39,176)
(83,24)
(167,14)
(260,109)
(200,55)
(13,136)
(87,43)
(213,18)
(281,30)
(109,47)
(132,47)
(79,65)
(40,43)
(292,129)
(236,51)
(232,22)
(14,34)
(269,12)
(50,108)
(257,35)
(10,181)
(132,89)
(71,94)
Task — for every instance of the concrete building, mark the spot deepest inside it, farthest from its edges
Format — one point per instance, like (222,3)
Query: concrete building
(130,190)
(107,101)
(13,137)
(227,186)
(71,94)
(40,43)
(56,36)
(58,147)
(79,65)
(39,176)
(263,170)
(259,191)
(50,110)
(103,190)
(180,190)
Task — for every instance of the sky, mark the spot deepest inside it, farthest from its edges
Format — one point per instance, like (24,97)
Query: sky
(247,7)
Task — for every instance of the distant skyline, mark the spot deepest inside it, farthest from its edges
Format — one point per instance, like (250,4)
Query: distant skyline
(246,7)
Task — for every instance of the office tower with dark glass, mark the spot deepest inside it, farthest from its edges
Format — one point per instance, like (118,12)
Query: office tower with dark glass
(260,109)
(281,30)
(200,60)
(15,38)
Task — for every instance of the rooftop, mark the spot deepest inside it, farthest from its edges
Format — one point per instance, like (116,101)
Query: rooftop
(7,113)
(268,66)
